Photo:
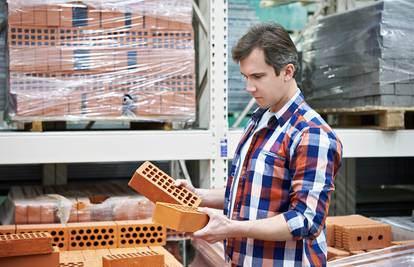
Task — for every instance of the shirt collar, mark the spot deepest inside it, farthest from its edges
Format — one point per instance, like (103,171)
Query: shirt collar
(284,114)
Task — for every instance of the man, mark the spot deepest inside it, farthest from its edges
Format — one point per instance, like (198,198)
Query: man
(277,196)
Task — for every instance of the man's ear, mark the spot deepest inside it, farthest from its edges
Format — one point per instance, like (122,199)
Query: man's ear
(289,71)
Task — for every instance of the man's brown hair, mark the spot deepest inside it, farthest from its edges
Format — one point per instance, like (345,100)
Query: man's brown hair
(273,39)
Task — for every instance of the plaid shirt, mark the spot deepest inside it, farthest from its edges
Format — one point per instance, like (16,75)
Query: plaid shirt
(289,168)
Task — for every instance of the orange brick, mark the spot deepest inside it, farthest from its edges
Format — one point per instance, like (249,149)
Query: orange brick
(15,17)
(33,213)
(180,218)
(25,244)
(7,229)
(94,19)
(27,16)
(53,15)
(92,235)
(145,259)
(112,20)
(66,16)
(335,252)
(47,212)
(42,260)
(156,185)
(84,209)
(366,236)
(59,233)
(40,15)
(20,213)
(140,233)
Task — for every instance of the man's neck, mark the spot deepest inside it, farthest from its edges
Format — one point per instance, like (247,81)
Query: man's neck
(290,93)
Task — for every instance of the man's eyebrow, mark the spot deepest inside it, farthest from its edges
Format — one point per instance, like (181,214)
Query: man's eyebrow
(254,74)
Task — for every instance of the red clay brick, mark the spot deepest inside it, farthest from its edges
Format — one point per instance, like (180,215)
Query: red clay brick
(83,206)
(66,16)
(33,213)
(27,16)
(59,233)
(92,235)
(145,259)
(140,233)
(40,15)
(7,229)
(335,252)
(42,260)
(366,236)
(180,218)
(15,18)
(157,186)
(53,15)
(25,244)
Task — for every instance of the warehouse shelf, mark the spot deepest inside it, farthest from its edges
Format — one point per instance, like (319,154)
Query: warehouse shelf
(104,146)
(359,143)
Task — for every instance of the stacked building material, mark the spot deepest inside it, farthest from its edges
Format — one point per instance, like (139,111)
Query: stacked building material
(361,57)
(101,59)
(73,203)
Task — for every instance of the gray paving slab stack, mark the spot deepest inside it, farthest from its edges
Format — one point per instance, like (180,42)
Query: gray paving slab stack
(361,57)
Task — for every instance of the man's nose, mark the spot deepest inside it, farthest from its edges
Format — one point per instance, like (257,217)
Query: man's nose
(250,87)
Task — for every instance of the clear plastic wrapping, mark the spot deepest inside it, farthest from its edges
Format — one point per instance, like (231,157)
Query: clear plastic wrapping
(101,60)
(74,203)
(361,57)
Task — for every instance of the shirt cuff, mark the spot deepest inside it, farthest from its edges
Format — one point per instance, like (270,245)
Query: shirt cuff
(296,224)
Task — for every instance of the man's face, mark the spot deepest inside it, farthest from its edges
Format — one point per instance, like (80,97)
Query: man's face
(262,83)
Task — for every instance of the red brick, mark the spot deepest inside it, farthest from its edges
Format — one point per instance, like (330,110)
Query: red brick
(40,15)
(180,218)
(66,15)
(146,258)
(112,20)
(140,233)
(335,252)
(47,212)
(25,244)
(59,233)
(92,235)
(42,260)
(364,237)
(28,16)
(7,229)
(20,213)
(15,17)
(53,15)
(156,185)
(33,213)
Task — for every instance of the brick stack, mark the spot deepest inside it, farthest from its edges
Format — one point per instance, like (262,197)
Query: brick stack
(361,57)
(88,60)
(355,234)
(91,235)
(73,203)
(28,250)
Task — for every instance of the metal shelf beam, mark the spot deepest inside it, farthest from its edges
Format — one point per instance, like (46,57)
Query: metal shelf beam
(104,146)
(360,143)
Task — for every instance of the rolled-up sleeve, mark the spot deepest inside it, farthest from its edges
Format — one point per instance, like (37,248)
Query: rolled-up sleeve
(315,159)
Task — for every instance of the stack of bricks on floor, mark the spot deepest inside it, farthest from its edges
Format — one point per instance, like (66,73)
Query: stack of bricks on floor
(101,60)
(84,202)
(355,234)
(92,244)
(176,207)
(362,57)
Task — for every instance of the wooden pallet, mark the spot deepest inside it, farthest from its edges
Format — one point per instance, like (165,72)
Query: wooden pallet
(45,126)
(375,117)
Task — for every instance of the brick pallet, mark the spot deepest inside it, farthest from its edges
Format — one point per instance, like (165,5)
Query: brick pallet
(352,61)
(103,63)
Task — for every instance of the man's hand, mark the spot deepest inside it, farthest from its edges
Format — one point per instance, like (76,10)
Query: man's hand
(218,228)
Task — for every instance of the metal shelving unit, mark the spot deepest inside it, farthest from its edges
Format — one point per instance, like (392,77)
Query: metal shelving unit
(213,146)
